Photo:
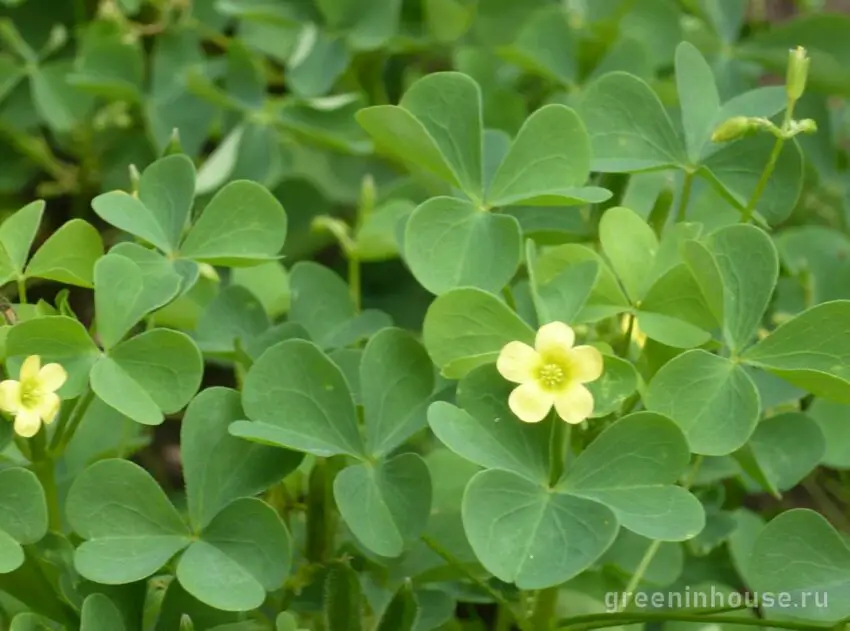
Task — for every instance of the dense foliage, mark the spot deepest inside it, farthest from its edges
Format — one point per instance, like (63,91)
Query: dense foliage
(415,315)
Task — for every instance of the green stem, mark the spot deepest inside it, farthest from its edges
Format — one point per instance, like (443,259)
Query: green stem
(652,550)
(627,339)
(321,519)
(46,473)
(354,284)
(543,617)
(768,168)
(509,297)
(68,424)
(449,558)
(604,620)
(22,290)
(685,196)
(558,448)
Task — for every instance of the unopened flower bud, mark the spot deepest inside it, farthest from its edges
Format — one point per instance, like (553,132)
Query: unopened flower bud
(805,126)
(732,129)
(798,70)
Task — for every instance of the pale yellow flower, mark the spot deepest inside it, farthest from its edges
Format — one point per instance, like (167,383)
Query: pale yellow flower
(33,399)
(551,373)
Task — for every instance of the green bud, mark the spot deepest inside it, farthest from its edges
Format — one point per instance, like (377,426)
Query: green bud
(798,70)
(805,126)
(732,129)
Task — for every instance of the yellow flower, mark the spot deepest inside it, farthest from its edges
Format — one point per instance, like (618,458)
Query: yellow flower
(551,373)
(33,398)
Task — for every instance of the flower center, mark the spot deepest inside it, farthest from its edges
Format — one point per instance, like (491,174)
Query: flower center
(552,376)
(30,394)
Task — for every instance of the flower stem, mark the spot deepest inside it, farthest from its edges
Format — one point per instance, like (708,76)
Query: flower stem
(685,196)
(768,168)
(68,424)
(652,550)
(22,290)
(44,469)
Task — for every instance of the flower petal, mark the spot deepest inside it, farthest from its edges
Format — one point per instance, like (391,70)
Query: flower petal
(48,406)
(517,362)
(530,402)
(27,423)
(51,377)
(10,395)
(574,404)
(587,364)
(30,368)
(554,338)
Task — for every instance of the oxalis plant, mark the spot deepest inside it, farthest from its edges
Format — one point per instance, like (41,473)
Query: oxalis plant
(620,400)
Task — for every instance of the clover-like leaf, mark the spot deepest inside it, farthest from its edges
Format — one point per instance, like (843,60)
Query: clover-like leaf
(242,224)
(631,246)
(547,164)
(799,553)
(126,291)
(628,126)
(437,126)
(385,504)
(242,553)
(711,398)
(296,397)
(18,232)
(466,327)
(832,417)
(561,294)
(396,381)
(99,613)
(451,243)
(810,351)
(632,468)
(698,98)
(524,533)
(150,375)
(220,468)
(57,339)
(104,505)
(786,448)
(321,302)
(233,317)
(23,515)
(68,255)
(486,432)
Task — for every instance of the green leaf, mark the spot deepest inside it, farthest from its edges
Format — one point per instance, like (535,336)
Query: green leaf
(396,380)
(810,351)
(242,224)
(832,419)
(546,46)
(62,106)
(632,468)
(402,611)
(386,504)
(787,448)
(631,246)
(800,554)
(125,292)
(56,339)
(629,549)
(618,381)
(244,552)
(486,432)
(821,254)
(465,328)
(437,126)
(711,398)
(629,129)
(524,533)
(298,398)
(234,316)
(68,255)
(562,295)
(28,621)
(547,164)
(269,282)
(104,505)
(698,98)
(322,304)
(376,238)
(167,188)
(126,212)
(451,243)
(674,310)
(318,60)
(18,231)
(23,515)
(152,374)
(219,468)
(99,613)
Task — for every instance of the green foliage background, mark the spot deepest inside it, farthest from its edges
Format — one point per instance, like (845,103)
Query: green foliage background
(279,244)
